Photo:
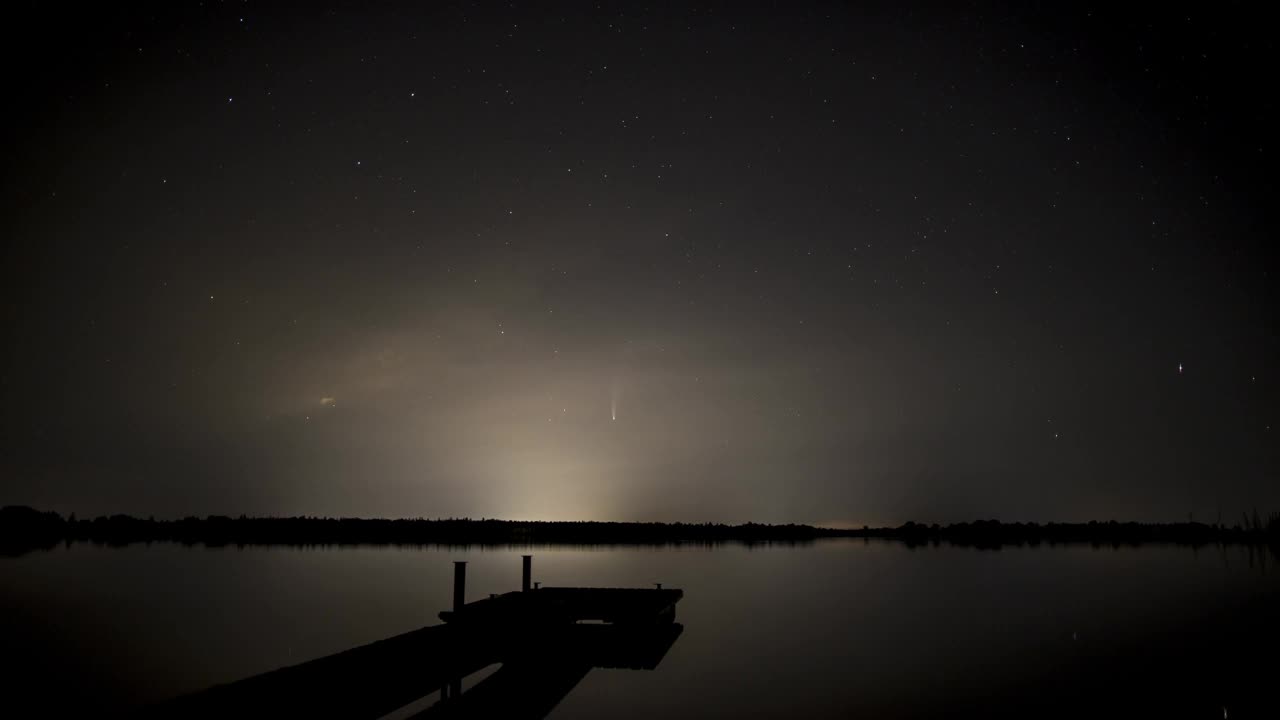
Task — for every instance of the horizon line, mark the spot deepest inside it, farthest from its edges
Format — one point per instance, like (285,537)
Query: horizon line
(825,525)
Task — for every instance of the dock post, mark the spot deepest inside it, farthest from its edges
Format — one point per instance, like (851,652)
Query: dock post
(459,584)
(528,573)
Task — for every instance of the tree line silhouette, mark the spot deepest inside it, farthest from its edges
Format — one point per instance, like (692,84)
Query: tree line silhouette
(24,528)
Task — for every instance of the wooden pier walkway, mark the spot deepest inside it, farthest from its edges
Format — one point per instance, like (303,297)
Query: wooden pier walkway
(545,639)
(559,605)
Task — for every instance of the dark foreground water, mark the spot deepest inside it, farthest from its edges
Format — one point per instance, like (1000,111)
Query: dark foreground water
(834,629)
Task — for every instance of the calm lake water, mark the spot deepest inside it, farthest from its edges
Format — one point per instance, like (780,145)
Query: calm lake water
(833,629)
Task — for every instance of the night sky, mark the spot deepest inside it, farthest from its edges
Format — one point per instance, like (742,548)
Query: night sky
(811,263)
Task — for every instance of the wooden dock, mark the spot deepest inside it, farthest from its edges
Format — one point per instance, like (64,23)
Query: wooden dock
(560,605)
(545,639)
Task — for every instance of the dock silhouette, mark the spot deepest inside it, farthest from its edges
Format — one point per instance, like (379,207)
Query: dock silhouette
(545,639)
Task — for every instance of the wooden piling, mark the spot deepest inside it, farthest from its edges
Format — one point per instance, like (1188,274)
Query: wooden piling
(459,584)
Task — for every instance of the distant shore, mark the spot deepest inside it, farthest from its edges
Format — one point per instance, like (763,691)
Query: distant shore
(23,529)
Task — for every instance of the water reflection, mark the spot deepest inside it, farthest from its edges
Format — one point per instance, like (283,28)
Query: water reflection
(828,630)
(533,683)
